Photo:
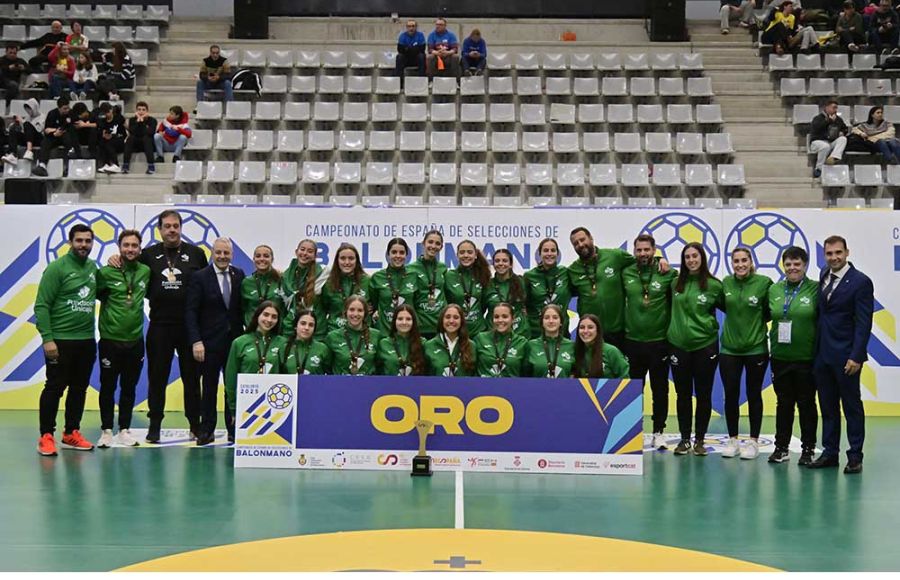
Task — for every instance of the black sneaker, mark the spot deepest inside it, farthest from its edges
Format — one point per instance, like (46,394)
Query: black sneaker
(700,449)
(780,455)
(683,448)
(153,435)
(806,456)
(160,159)
(176,159)
(39,170)
(125,168)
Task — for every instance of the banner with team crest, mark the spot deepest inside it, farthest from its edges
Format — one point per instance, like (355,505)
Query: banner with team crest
(35,235)
(499,425)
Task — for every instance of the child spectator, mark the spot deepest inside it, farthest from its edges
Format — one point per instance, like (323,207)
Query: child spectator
(141,129)
(27,132)
(172,134)
(85,80)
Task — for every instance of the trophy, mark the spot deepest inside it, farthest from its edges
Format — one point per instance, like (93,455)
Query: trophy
(421,463)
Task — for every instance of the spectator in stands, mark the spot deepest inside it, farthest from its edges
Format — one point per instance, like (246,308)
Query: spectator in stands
(828,136)
(58,132)
(85,80)
(784,32)
(443,51)
(881,135)
(172,135)
(742,10)
(850,28)
(77,42)
(111,138)
(118,75)
(45,44)
(884,28)
(141,128)
(474,54)
(84,122)
(62,70)
(410,50)
(11,69)
(214,75)
(26,132)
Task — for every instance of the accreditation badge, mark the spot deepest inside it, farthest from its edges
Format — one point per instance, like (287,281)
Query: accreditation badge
(784,331)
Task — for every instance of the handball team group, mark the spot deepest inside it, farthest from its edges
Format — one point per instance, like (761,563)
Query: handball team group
(637,318)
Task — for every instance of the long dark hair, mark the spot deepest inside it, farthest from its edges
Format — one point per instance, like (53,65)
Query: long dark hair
(466,352)
(506,305)
(872,113)
(395,242)
(365,327)
(119,53)
(516,289)
(541,247)
(293,339)
(556,308)
(481,270)
(273,272)
(309,289)
(334,276)
(593,351)
(88,63)
(416,352)
(254,320)
(704,274)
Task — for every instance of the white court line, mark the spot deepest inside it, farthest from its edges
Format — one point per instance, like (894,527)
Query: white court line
(460,519)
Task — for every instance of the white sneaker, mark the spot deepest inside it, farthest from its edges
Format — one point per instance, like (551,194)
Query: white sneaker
(106,439)
(732,448)
(82,95)
(103,169)
(659,441)
(113,168)
(126,439)
(750,450)
(29,155)
(11,159)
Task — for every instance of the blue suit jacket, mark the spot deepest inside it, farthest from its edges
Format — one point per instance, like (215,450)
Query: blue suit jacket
(207,317)
(845,322)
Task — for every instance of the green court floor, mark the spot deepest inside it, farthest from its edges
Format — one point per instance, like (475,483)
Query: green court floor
(111,508)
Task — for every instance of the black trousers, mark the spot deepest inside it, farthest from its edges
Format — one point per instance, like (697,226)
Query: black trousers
(210,371)
(133,144)
(653,358)
(795,387)
(731,367)
(21,138)
(68,140)
(11,88)
(694,373)
(617,339)
(120,365)
(163,341)
(72,370)
(108,151)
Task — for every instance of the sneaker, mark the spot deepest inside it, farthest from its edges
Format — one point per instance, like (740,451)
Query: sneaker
(780,455)
(160,159)
(831,161)
(151,169)
(11,159)
(884,52)
(659,441)
(82,96)
(684,446)
(126,439)
(724,31)
(744,24)
(72,153)
(103,169)
(47,445)
(125,168)
(29,155)
(750,450)
(73,96)
(114,97)
(732,448)
(700,449)
(39,170)
(113,168)
(106,439)
(817,173)
(852,47)
(806,456)
(895,52)
(74,440)
(176,159)
(152,435)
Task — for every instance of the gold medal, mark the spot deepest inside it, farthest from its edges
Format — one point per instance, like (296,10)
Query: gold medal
(431,300)
(354,368)
(646,299)
(170,275)
(593,288)
(262,368)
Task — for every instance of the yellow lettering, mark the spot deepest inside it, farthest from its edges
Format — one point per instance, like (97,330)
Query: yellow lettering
(505,415)
(405,424)
(445,411)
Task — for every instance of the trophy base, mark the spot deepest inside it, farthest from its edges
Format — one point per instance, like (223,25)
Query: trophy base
(421,465)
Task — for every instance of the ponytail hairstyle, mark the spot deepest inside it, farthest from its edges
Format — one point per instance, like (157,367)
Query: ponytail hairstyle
(434,232)
(466,351)
(506,305)
(516,289)
(416,352)
(308,292)
(541,247)
(334,275)
(276,275)
(481,270)
(683,273)
(556,308)
(747,251)
(589,353)
(395,242)
(365,327)
(254,320)
(293,339)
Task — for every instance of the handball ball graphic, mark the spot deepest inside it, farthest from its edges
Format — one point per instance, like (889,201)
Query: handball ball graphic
(195,229)
(106,227)
(672,231)
(766,235)
(279,396)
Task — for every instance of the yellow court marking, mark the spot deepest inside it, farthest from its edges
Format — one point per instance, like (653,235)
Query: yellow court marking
(444,549)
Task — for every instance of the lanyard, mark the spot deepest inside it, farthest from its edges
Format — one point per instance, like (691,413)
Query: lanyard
(261,291)
(261,354)
(591,272)
(432,278)
(551,364)
(645,284)
(344,295)
(300,297)
(550,288)
(454,359)
(129,284)
(301,364)
(389,274)
(171,274)
(787,303)
(401,359)
(501,359)
(354,351)
(467,291)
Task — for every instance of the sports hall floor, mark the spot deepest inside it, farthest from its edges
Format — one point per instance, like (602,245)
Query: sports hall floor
(116,508)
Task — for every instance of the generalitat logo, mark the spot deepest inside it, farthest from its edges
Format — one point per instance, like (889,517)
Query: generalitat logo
(387,459)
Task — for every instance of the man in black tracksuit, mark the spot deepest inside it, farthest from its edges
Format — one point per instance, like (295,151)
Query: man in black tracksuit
(171,264)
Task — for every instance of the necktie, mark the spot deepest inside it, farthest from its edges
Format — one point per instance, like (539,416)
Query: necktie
(226,288)
(830,288)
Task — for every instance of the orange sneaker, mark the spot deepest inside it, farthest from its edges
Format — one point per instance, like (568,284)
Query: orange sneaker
(74,440)
(47,445)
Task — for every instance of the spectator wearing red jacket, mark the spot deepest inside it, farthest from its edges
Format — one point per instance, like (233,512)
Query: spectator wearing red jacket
(172,134)
(62,70)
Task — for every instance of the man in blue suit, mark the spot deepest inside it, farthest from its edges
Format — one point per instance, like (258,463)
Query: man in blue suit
(846,302)
(212,321)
